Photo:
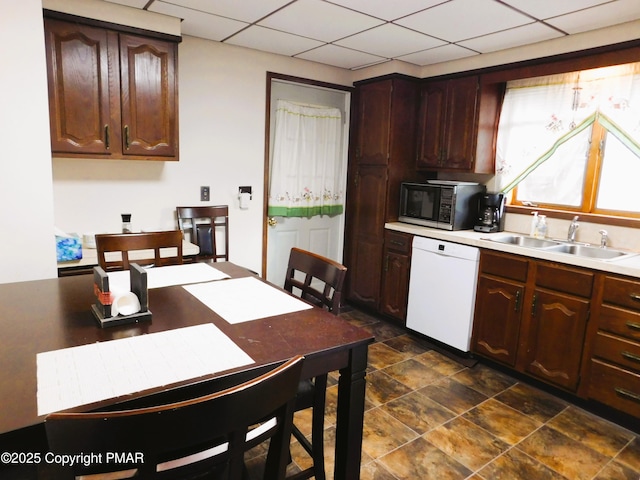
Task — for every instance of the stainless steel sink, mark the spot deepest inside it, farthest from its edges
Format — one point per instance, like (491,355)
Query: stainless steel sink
(589,252)
(577,249)
(524,241)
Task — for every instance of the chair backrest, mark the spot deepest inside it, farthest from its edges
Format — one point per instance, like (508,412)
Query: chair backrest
(207,227)
(161,248)
(322,280)
(192,437)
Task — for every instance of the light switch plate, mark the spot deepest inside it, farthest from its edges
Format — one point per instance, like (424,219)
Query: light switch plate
(204,194)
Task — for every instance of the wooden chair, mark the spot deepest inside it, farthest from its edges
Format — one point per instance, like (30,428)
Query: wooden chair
(202,223)
(207,435)
(318,280)
(150,241)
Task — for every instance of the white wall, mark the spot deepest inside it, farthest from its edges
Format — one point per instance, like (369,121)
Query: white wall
(27,246)
(222,92)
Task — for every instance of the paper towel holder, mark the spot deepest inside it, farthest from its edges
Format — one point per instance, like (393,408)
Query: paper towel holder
(245,190)
(244,196)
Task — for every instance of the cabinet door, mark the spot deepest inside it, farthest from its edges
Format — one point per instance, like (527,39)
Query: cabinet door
(395,285)
(497,319)
(447,127)
(374,120)
(79,88)
(367,225)
(460,126)
(147,69)
(431,146)
(556,339)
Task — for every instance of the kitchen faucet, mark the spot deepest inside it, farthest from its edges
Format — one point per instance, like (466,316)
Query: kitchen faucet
(571,235)
(604,238)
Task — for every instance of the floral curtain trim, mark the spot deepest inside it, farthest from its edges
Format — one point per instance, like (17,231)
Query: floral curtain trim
(307,168)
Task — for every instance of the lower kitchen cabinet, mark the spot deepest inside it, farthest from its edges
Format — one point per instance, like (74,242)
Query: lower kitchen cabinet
(532,315)
(395,276)
(499,306)
(615,361)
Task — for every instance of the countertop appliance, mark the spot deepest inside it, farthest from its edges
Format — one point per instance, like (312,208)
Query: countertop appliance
(442,291)
(448,205)
(491,213)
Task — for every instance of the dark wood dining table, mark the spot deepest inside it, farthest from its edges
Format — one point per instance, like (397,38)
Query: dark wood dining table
(45,315)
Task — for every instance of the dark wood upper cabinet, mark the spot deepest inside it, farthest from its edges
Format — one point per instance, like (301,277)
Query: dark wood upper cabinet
(458,120)
(111,94)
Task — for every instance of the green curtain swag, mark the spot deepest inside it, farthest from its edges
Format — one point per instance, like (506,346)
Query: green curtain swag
(597,116)
(275,211)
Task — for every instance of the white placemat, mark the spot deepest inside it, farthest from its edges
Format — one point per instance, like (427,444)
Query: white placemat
(99,371)
(167,276)
(243,299)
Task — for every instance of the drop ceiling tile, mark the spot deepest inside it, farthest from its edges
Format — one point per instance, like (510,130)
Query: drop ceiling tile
(601,16)
(319,20)
(130,3)
(200,24)
(243,10)
(543,9)
(274,41)
(437,55)
(341,57)
(514,37)
(386,9)
(389,41)
(463,19)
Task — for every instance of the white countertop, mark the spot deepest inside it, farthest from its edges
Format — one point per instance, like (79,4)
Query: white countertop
(624,266)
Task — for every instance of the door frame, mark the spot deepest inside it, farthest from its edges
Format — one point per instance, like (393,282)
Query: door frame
(267,144)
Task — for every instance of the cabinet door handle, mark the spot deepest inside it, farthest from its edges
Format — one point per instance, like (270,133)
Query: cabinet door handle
(533,306)
(635,296)
(517,307)
(627,394)
(126,137)
(630,356)
(633,325)
(106,137)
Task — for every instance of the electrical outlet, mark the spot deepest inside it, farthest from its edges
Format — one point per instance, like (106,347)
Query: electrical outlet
(204,194)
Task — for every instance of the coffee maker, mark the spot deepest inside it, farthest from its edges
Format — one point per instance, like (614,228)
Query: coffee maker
(491,213)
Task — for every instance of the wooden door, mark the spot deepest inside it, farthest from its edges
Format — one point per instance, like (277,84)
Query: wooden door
(432,112)
(395,285)
(149,96)
(366,227)
(497,318)
(79,88)
(460,127)
(556,338)
(374,121)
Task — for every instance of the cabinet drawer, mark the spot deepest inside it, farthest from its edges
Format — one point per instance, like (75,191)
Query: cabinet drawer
(618,350)
(398,242)
(620,291)
(620,321)
(563,279)
(512,267)
(615,386)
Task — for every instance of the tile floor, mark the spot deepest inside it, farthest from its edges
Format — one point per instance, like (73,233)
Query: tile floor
(428,416)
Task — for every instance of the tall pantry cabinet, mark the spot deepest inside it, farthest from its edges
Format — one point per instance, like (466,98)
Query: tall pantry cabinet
(382,156)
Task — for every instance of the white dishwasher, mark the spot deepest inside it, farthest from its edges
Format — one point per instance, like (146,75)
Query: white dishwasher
(442,290)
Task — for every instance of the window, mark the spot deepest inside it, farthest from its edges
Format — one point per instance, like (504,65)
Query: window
(572,141)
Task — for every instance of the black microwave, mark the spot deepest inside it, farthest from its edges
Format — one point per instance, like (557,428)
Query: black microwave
(444,204)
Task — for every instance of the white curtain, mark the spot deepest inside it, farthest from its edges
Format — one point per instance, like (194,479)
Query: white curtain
(550,117)
(307,170)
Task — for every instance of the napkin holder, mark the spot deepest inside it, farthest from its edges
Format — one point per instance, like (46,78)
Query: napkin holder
(101,309)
